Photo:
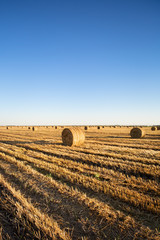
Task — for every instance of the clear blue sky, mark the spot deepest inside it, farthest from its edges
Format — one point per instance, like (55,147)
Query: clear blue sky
(79,62)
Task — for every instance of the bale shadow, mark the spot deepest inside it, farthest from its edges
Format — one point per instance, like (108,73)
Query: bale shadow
(152,136)
(107,137)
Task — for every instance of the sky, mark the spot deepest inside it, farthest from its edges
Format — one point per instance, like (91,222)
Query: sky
(79,62)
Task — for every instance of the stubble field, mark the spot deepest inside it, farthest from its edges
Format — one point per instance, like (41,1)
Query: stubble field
(107,188)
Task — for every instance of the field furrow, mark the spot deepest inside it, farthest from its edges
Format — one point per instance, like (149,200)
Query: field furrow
(124,194)
(36,186)
(107,188)
(25,221)
(148,187)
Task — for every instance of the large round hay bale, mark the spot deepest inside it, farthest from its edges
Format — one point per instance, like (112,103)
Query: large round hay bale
(85,128)
(98,127)
(153,128)
(73,136)
(137,132)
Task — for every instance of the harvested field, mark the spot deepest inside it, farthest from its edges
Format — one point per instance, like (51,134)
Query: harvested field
(107,188)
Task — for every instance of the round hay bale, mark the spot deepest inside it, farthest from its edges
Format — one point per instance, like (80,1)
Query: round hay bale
(137,133)
(73,136)
(153,128)
(85,128)
(29,128)
(98,127)
(34,128)
(56,127)
(158,127)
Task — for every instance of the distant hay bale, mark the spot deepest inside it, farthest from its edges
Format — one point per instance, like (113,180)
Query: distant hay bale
(7,127)
(158,127)
(29,128)
(154,128)
(34,128)
(98,127)
(85,128)
(137,133)
(73,136)
(56,127)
